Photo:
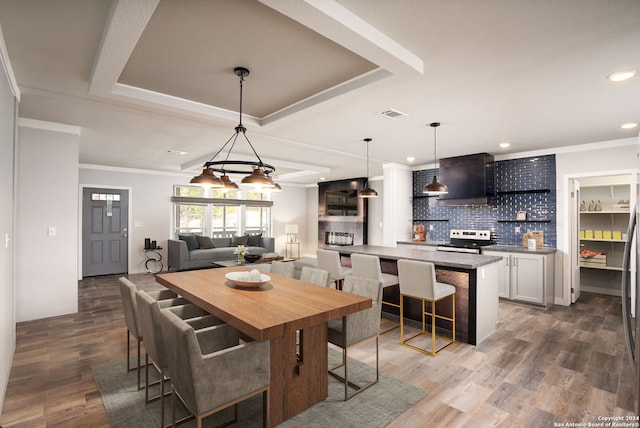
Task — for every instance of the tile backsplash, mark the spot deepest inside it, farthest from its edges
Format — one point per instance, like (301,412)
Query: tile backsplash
(526,184)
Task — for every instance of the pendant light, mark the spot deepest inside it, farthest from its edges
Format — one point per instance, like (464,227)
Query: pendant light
(435,187)
(258,171)
(367,192)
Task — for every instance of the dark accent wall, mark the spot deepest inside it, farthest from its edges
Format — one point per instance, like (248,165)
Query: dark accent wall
(527,184)
(342,224)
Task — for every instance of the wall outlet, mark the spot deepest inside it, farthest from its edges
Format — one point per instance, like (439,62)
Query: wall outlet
(430,227)
(51,231)
(517,229)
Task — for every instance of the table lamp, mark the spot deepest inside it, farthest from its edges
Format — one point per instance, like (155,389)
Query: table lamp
(292,231)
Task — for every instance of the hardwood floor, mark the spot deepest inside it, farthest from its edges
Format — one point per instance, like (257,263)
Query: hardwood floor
(541,367)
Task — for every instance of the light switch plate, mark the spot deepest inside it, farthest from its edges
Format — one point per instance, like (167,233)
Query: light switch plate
(51,231)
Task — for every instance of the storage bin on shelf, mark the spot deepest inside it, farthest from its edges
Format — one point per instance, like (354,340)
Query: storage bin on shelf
(590,258)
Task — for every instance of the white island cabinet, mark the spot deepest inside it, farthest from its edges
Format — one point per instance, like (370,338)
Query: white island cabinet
(525,275)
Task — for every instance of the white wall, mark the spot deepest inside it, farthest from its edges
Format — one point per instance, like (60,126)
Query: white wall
(47,196)
(290,207)
(398,209)
(8,109)
(311,244)
(375,212)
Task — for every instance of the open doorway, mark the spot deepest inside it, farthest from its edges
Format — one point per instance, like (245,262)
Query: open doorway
(600,210)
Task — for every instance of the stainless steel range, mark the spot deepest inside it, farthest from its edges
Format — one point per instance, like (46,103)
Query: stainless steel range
(467,241)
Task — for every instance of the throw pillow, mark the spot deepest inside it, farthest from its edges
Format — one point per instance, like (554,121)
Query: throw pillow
(205,242)
(255,240)
(239,240)
(192,242)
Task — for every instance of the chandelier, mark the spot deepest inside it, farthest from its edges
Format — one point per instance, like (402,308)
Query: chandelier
(258,172)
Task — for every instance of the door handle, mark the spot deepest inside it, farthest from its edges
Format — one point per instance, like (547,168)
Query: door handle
(125,232)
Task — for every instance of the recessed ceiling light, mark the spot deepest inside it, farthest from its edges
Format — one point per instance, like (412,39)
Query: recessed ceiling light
(629,125)
(410,158)
(621,75)
(176,152)
(505,145)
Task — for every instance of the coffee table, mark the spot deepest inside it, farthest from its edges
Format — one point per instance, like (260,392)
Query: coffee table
(234,263)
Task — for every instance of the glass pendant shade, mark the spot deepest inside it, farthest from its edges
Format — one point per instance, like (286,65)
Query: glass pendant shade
(435,188)
(207,179)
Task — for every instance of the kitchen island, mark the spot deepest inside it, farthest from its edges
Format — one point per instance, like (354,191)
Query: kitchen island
(474,276)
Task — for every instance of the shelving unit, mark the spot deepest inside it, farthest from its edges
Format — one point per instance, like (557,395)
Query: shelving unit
(609,220)
(524,221)
(522,192)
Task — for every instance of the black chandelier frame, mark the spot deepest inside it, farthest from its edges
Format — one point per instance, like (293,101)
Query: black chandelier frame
(259,172)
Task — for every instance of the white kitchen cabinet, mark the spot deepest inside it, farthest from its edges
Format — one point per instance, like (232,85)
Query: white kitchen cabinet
(524,276)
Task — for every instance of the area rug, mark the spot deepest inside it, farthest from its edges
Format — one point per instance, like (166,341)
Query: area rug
(374,407)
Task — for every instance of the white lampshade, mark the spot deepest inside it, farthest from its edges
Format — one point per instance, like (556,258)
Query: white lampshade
(291,228)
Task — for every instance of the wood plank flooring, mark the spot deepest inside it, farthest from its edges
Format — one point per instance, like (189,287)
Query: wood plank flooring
(541,367)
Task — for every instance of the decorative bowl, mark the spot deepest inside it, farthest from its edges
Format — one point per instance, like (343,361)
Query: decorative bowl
(238,279)
(252,258)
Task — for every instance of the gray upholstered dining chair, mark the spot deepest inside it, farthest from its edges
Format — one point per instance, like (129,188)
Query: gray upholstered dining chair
(283,268)
(329,260)
(314,276)
(149,319)
(130,309)
(211,369)
(368,266)
(355,328)
(418,280)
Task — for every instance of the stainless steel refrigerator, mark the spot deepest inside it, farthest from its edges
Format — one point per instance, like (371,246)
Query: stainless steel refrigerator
(630,289)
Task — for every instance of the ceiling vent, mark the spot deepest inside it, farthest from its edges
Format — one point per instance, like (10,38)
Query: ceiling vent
(393,114)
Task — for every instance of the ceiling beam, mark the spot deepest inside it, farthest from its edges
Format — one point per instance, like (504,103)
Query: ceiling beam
(339,24)
(125,24)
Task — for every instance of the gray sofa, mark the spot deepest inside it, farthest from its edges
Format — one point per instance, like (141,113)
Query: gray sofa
(180,258)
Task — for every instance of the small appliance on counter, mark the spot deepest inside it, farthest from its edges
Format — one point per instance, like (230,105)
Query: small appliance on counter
(418,234)
(467,241)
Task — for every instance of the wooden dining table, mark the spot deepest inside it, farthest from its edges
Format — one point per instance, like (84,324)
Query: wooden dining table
(284,311)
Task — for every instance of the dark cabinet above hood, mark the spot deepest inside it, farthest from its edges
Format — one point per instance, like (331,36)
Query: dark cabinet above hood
(470,179)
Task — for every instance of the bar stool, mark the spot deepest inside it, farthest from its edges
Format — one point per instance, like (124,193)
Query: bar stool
(418,281)
(368,266)
(329,260)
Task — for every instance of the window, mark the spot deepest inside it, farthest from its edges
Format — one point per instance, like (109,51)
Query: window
(217,214)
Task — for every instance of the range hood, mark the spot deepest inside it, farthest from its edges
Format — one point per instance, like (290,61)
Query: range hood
(470,179)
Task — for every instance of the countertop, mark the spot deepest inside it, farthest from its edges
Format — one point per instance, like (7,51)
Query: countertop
(504,248)
(425,243)
(516,249)
(438,258)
